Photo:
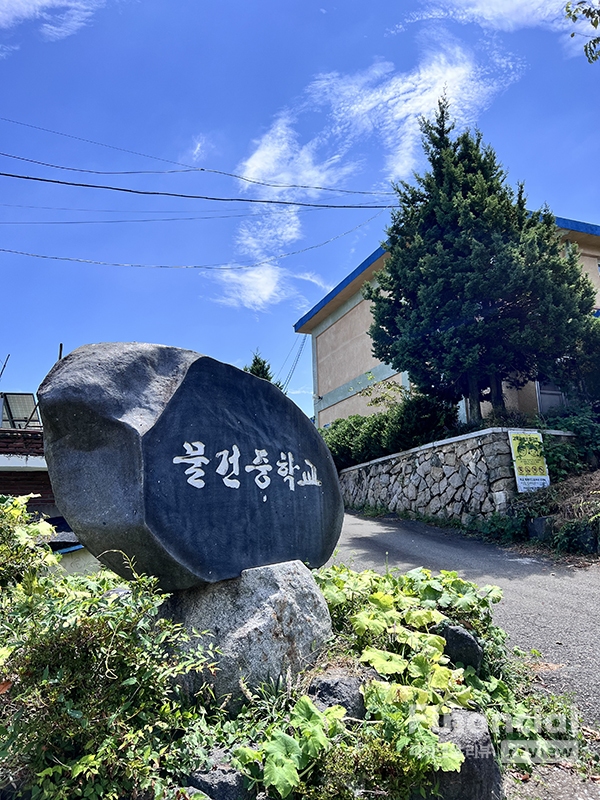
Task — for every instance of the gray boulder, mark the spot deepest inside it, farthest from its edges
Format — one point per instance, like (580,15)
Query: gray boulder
(337,686)
(193,469)
(221,781)
(461,646)
(479,777)
(269,620)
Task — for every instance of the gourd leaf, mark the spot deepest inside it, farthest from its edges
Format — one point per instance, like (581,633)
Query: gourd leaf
(281,773)
(419,667)
(333,595)
(440,677)
(449,757)
(283,745)
(422,617)
(383,601)
(305,712)
(369,621)
(383,662)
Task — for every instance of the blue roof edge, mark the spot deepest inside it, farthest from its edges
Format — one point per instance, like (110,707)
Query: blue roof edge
(580,227)
(342,285)
(561,222)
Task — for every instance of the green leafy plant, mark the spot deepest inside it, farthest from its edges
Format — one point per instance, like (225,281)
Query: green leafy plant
(89,702)
(22,550)
(394,623)
(284,759)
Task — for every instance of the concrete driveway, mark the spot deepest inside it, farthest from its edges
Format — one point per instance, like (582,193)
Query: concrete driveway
(552,608)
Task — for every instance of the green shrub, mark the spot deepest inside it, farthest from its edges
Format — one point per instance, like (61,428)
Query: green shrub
(577,536)
(506,528)
(584,423)
(415,420)
(339,438)
(22,551)
(89,705)
(418,419)
(564,458)
(369,441)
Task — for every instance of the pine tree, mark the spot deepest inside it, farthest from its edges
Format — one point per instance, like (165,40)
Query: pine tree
(262,369)
(476,289)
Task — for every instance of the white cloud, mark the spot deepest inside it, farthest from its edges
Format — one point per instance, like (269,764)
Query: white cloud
(6,50)
(498,15)
(312,277)
(376,110)
(254,288)
(59,18)
(280,159)
(201,147)
(380,102)
(301,390)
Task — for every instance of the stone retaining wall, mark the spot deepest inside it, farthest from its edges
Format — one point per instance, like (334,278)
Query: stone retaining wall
(461,478)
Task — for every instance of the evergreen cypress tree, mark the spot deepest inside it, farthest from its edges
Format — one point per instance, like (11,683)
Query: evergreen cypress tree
(476,290)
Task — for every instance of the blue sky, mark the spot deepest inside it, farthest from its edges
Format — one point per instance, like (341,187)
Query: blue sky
(292,94)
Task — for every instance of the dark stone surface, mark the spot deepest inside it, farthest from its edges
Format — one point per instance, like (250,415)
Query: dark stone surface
(540,528)
(479,777)
(337,686)
(461,646)
(193,468)
(221,781)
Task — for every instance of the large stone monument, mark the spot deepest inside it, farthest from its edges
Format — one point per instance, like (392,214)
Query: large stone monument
(194,469)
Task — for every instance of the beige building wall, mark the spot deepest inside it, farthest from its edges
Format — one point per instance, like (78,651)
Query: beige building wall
(344,349)
(355,404)
(590,262)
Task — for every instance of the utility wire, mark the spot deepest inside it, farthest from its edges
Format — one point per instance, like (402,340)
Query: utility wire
(214,211)
(279,371)
(218,267)
(144,192)
(286,382)
(118,221)
(188,167)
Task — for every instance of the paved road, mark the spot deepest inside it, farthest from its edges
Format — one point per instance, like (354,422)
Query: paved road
(552,608)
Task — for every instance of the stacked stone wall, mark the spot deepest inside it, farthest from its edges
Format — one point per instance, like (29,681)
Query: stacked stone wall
(459,479)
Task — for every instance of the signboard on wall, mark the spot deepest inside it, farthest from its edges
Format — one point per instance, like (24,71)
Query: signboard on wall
(531,470)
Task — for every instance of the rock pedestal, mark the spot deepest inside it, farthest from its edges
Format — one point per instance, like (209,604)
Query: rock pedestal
(194,469)
(269,620)
(479,777)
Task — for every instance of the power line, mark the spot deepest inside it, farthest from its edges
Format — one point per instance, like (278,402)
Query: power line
(213,211)
(188,167)
(217,267)
(145,192)
(117,221)
(279,371)
(187,170)
(286,382)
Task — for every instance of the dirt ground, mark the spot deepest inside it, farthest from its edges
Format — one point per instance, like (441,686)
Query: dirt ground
(550,783)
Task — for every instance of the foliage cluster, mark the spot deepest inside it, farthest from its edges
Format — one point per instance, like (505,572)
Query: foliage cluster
(393,623)
(21,550)
(89,706)
(415,420)
(575,456)
(591,12)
